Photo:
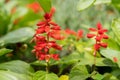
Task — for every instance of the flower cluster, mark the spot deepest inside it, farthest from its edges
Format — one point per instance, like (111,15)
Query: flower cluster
(45,37)
(99,34)
(78,34)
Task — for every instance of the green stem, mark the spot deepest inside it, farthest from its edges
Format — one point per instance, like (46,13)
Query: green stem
(47,67)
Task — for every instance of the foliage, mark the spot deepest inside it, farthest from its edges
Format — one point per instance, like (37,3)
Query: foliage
(17,30)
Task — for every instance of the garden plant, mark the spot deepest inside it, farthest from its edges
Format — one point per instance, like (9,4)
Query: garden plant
(59,39)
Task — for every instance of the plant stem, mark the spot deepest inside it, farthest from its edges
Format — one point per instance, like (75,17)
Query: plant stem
(47,67)
(94,64)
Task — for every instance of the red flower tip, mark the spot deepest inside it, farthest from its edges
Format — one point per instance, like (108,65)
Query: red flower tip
(115,59)
(90,35)
(99,26)
(52,11)
(92,29)
(104,45)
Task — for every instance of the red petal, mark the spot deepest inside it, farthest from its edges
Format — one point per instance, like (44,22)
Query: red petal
(103,45)
(90,35)
(105,37)
(41,23)
(55,56)
(80,33)
(98,38)
(92,29)
(96,46)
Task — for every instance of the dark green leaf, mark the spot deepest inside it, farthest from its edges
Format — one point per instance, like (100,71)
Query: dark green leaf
(19,35)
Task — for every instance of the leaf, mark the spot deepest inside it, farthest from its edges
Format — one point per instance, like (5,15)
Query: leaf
(89,60)
(83,4)
(8,75)
(116,29)
(42,75)
(4,51)
(116,4)
(45,4)
(16,36)
(64,77)
(110,54)
(17,66)
(102,1)
(79,72)
(116,72)
(97,76)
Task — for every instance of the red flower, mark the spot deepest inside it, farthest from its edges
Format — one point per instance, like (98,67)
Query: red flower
(78,34)
(45,31)
(100,34)
(35,7)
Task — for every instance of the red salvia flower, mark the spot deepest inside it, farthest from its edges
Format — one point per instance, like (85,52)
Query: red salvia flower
(45,36)
(35,7)
(78,34)
(99,35)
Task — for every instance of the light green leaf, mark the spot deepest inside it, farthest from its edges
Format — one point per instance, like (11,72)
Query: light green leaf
(8,75)
(19,35)
(41,75)
(83,4)
(79,72)
(45,4)
(110,54)
(4,51)
(102,1)
(116,29)
(17,66)
(89,60)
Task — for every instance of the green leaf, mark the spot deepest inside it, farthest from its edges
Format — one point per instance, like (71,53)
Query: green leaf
(4,51)
(116,72)
(116,29)
(97,76)
(45,4)
(89,60)
(17,66)
(102,1)
(8,75)
(16,36)
(110,54)
(42,75)
(79,72)
(116,3)
(83,4)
